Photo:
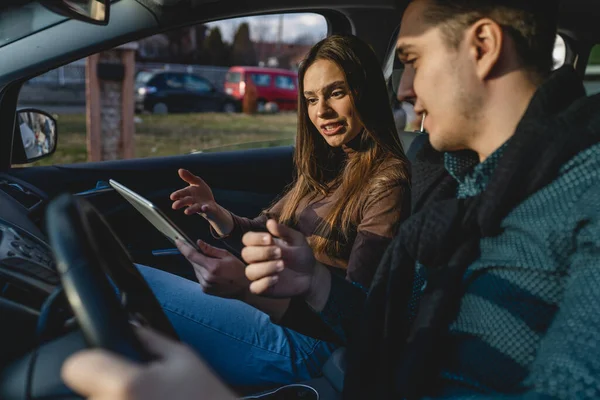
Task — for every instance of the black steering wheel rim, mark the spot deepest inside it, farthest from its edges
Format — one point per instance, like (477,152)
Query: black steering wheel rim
(87,253)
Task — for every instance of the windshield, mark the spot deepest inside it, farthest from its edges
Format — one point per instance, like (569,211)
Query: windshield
(19,22)
(143,77)
(233,77)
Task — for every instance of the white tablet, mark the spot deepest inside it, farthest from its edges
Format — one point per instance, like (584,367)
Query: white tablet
(153,214)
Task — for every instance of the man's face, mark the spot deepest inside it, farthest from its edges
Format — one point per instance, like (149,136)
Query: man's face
(441,81)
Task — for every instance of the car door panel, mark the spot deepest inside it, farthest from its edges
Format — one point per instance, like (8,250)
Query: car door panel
(244,182)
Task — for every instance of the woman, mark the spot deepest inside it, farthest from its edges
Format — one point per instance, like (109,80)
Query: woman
(348,198)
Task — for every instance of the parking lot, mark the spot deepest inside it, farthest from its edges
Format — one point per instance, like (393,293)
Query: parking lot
(158,135)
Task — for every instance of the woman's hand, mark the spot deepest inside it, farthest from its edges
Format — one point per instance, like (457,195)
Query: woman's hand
(199,199)
(177,374)
(219,272)
(282,264)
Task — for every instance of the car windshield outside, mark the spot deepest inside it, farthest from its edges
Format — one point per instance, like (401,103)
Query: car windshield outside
(233,77)
(143,77)
(19,22)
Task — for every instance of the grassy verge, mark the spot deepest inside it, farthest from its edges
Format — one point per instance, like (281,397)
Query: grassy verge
(157,135)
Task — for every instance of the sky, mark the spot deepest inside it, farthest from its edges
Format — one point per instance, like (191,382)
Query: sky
(265,27)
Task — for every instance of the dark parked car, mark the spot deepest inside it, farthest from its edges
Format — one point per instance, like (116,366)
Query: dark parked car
(164,92)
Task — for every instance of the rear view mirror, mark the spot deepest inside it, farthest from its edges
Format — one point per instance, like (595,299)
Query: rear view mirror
(38,135)
(92,11)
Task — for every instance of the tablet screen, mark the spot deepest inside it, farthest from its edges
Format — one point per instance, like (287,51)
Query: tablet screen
(153,214)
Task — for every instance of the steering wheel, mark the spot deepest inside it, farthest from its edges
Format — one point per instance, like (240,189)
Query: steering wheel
(95,269)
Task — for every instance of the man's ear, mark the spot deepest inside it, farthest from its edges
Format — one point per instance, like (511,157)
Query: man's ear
(485,40)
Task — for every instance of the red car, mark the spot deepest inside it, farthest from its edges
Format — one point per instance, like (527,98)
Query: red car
(272,84)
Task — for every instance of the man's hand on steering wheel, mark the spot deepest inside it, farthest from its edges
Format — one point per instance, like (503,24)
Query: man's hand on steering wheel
(176,374)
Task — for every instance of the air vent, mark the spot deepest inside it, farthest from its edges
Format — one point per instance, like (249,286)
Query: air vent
(25,197)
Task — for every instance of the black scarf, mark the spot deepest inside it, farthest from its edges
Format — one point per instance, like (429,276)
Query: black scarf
(388,359)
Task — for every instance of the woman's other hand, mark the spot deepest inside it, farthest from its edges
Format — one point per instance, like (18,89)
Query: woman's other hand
(219,272)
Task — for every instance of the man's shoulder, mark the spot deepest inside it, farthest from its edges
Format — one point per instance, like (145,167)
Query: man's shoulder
(573,195)
(583,167)
(585,108)
(578,183)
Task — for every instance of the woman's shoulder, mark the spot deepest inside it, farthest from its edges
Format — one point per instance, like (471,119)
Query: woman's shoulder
(390,183)
(391,173)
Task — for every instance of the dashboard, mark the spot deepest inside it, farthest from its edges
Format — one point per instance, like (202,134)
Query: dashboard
(25,256)
(27,277)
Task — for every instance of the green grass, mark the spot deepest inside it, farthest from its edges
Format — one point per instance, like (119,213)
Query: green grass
(158,135)
(595,55)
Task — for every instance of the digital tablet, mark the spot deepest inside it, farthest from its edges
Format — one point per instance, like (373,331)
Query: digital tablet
(153,214)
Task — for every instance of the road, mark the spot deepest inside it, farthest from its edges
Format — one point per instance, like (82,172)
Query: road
(56,108)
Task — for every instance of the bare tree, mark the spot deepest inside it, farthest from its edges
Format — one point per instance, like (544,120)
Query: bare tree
(307,38)
(261,28)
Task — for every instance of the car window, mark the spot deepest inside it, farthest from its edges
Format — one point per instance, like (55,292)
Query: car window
(200,58)
(284,82)
(559,55)
(592,72)
(233,77)
(174,81)
(196,84)
(158,81)
(143,77)
(403,112)
(261,79)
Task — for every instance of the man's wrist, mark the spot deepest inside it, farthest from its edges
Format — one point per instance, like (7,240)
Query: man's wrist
(320,286)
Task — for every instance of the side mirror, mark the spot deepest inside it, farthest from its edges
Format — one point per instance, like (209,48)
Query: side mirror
(37,131)
(91,11)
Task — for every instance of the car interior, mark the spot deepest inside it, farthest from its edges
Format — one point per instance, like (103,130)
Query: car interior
(46,224)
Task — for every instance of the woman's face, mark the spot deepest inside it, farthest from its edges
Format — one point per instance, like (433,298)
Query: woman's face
(329,105)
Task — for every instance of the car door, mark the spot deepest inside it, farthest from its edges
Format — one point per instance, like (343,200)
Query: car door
(244,182)
(201,93)
(285,92)
(176,94)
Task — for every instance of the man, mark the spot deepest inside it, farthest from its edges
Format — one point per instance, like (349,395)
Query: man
(505,236)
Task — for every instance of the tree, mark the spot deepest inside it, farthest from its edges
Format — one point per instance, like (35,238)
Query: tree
(242,50)
(216,51)
(261,27)
(199,56)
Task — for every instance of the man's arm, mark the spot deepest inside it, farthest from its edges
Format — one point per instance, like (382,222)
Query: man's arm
(175,374)
(343,305)
(281,264)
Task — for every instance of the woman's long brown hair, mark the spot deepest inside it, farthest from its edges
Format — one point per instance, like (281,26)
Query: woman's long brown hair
(380,162)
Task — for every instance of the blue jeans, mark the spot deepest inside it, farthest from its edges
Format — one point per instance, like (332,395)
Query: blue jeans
(238,341)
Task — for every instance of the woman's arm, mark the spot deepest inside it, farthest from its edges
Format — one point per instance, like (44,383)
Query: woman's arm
(381,217)
(240,225)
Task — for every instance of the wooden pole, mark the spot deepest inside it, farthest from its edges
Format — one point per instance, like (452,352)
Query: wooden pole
(110,104)
(127,145)
(92,96)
